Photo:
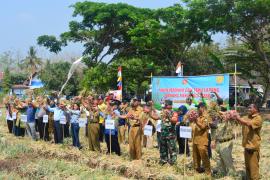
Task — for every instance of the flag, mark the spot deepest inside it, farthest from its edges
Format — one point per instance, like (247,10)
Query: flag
(119,78)
(179,68)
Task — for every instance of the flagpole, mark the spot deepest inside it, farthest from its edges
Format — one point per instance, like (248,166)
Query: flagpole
(119,81)
(235,86)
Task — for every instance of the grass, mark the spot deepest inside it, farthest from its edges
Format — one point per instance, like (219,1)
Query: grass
(22,158)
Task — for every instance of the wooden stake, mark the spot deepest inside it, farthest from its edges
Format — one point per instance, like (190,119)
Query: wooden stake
(110,141)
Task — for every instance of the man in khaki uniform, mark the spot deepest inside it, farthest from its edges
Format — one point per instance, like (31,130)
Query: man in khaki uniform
(251,141)
(135,132)
(148,117)
(94,130)
(223,142)
(200,140)
(122,123)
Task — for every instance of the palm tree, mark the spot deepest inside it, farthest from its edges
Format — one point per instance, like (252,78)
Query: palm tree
(31,63)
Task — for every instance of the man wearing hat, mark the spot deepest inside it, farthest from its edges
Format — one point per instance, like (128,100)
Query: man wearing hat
(200,140)
(167,139)
(135,132)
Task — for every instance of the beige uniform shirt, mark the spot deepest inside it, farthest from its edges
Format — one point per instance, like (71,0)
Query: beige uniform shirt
(137,114)
(200,134)
(251,135)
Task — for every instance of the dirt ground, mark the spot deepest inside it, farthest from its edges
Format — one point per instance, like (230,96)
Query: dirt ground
(22,158)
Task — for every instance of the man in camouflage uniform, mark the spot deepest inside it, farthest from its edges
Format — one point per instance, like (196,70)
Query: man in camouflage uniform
(168,152)
(223,142)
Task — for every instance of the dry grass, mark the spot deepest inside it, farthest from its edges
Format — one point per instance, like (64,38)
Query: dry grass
(22,157)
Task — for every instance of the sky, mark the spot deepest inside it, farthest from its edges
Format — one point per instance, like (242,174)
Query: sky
(22,21)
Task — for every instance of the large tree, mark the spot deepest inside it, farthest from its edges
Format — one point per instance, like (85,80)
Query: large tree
(123,31)
(246,20)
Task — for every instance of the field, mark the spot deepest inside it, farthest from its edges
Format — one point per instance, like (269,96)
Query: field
(22,158)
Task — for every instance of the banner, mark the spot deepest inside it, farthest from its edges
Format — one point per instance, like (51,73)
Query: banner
(117,94)
(178,89)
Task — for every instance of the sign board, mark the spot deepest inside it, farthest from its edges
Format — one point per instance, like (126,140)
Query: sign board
(63,120)
(23,118)
(117,94)
(82,122)
(148,130)
(185,132)
(14,115)
(109,124)
(178,89)
(45,119)
(158,127)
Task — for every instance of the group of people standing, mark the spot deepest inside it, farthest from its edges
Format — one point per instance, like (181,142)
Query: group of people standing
(211,122)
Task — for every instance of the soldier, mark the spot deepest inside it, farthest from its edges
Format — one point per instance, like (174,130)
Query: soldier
(200,140)
(223,143)
(168,152)
(251,141)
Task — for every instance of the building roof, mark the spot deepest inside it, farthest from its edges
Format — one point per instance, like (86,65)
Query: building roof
(241,82)
(20,86)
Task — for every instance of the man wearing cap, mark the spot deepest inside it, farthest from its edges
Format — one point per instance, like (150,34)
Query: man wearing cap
(168,150)
(182,121)
(135,132)
(252,125)
(200,140)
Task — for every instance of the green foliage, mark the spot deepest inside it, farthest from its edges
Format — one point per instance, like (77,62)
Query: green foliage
(124,31)
(204,59)
(18,78)
(54,76)
(50,42)
(246,20)
(11,151)
(6,82)
(136,75)
(31,63)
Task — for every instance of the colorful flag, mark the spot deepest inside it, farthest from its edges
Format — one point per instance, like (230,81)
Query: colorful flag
(119,78)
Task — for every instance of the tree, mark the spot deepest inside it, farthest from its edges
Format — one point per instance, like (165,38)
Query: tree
(103,30)
(249,63)
(6,82)
(18,78)
(31,63)
(54,76)
(205,59)
(123,31)
(246,20)
(136,76)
